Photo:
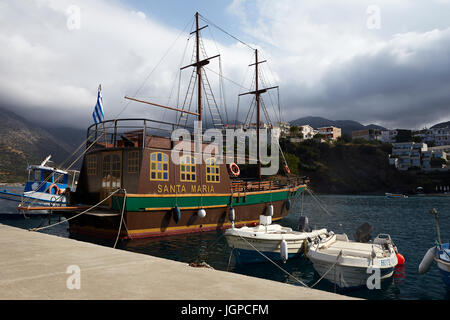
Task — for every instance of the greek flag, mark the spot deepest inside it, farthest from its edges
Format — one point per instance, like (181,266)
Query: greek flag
(98,111)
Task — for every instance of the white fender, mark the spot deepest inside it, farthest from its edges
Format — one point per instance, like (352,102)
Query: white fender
(427,260)
(201,213)
(284,250)
(232,215)
(270,211)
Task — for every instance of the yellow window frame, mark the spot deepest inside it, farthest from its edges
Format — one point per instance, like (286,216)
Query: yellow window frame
(212,171)
(159,166)
(188,169)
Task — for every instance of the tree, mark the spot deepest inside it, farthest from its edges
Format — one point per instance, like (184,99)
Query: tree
(293,163)
(404,136)
(345,138)
(294,130)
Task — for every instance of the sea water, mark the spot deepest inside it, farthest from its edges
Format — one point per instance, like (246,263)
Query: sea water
(407,220)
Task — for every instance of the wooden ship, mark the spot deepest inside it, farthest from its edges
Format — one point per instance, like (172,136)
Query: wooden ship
(153,196)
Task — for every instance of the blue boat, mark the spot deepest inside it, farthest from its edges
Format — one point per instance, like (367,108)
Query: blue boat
(45,186)
(442,259)
(439,253)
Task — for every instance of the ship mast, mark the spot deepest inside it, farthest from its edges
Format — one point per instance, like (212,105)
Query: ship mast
(199,67)
(257,94)
(199,64)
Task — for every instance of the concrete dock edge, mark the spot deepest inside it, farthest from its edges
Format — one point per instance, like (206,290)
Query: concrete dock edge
(34,265)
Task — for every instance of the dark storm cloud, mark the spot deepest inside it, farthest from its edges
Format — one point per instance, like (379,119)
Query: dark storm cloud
(402,85)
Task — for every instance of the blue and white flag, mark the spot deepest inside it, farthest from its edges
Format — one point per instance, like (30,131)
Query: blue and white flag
(98,114)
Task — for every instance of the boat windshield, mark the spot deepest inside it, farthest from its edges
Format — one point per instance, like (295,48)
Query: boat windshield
(36,175)
(46,176)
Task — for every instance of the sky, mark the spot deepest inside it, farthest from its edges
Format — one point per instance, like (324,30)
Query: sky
(384,62)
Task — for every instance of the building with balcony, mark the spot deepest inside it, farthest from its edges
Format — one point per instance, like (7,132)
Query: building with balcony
(408,155)
(368,134)
(437,136)
(330,133)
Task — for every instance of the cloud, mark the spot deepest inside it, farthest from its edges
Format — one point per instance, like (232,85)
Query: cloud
(52,60)
(333,66)
(320,52)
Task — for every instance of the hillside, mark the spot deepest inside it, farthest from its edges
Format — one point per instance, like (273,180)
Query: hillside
(349,168)
(441,125)
(347,126)
(23,143)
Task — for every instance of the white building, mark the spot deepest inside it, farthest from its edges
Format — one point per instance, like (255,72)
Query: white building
(307,131)
(438,136)
(388,136)
(408,155)
(285,128)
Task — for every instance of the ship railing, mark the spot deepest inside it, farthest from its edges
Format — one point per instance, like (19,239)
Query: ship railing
(249,186)
(130,132)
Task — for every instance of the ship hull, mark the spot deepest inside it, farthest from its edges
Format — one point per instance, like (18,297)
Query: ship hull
(154,216)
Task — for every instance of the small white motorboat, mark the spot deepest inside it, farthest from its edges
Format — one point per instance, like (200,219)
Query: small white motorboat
(349,263)
(273,240)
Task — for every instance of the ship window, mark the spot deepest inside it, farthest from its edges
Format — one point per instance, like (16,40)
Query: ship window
(133,162)
(92,165)
(212,171)
(59,178)
(37,175)
(159,167)
(188,172)
(47,176)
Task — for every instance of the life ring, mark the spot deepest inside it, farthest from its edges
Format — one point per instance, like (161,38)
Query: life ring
(54,187)
(234,170)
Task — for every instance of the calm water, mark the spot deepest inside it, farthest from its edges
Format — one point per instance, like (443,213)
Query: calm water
(408,222)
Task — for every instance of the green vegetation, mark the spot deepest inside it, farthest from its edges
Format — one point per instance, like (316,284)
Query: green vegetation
(355,167)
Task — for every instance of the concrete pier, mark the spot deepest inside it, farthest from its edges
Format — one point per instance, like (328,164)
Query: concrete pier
(34,266)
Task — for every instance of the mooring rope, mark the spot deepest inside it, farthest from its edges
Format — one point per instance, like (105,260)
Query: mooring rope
(322,206)
(229,259)
(121,217)
(77,215)
(323,276)
(299,281)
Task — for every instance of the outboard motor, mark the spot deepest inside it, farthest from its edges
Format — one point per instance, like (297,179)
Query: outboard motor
(303,224)
(363,233)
